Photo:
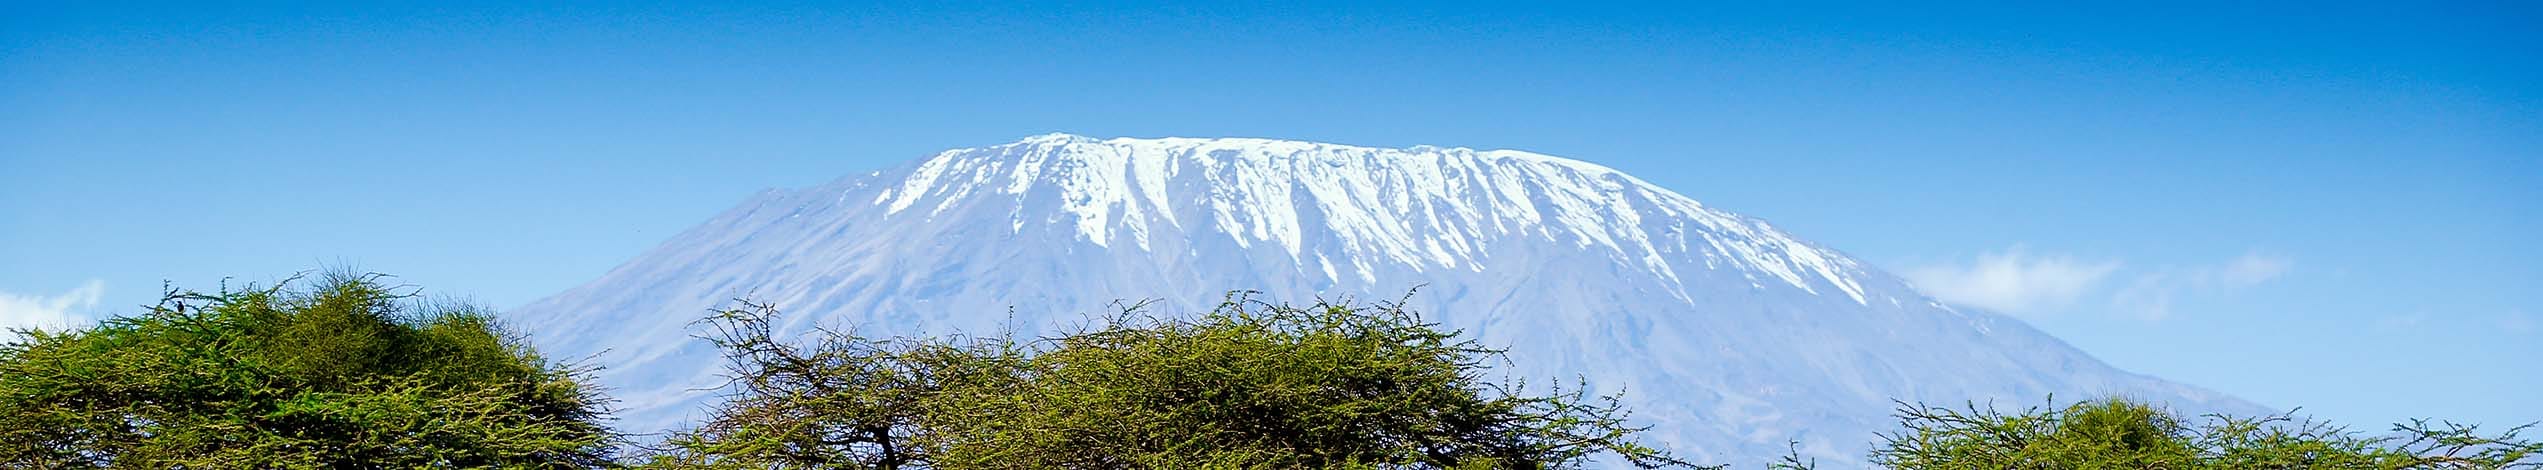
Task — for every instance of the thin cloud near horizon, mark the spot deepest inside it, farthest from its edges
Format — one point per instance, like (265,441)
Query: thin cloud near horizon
(2017,281)
(68,309)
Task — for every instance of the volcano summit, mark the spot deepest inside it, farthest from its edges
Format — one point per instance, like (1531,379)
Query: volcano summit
(1728,336)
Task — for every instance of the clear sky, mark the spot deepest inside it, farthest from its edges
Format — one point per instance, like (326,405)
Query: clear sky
(2313,204)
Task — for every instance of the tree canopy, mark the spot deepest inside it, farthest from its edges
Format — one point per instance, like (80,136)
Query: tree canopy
(1250,384)
(2122,433)
(344,373)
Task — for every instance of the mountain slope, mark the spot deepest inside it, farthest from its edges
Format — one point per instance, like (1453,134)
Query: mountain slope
(1729,336)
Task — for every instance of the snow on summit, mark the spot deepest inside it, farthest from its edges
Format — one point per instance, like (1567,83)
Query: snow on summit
(1728,336)
(1430,207)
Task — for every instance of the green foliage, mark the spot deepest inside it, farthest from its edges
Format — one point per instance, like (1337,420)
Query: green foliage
(1249,385)
(348,373)
(2119,433)
(841,402)
(345,374)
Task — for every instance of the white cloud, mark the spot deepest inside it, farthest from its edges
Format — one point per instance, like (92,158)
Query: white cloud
(2017,282)
(2251,269)
(2151,294)
(2012,281)
(50,312)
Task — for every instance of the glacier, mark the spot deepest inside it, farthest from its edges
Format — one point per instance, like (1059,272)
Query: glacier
(1726,335)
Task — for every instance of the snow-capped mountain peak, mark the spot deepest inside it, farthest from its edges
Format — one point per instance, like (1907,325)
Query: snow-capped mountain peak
(1729,336)
(1431,207)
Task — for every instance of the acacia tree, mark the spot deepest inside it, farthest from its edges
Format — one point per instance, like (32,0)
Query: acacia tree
(2120,433)
(840,401)
(344,374)
(1251,384)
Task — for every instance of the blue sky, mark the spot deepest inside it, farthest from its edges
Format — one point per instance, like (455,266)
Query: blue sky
(2311,204)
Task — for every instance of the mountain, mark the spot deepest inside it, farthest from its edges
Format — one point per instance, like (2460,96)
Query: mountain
(1727,335)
